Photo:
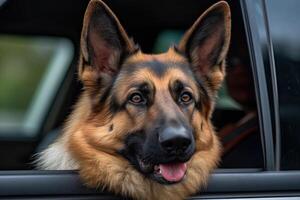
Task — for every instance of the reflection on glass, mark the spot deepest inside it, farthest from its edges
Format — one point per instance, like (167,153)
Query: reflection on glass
(285,31)
(30,69)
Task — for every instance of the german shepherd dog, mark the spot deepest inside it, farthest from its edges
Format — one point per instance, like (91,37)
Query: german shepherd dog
(141,127)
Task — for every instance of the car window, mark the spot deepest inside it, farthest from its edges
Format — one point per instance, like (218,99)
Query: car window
(285,30)
(31,69)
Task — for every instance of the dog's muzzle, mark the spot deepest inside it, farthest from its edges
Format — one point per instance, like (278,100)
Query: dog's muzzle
(162,156)
(174,141)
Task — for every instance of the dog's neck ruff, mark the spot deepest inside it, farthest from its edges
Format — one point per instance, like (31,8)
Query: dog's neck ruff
(56,157)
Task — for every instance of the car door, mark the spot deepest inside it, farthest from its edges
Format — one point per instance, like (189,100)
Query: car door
(278,178)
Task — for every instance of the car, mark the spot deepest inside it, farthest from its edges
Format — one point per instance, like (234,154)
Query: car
(39,47)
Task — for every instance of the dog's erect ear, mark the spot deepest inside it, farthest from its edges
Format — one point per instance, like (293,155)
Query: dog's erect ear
(103,43)
(206,43)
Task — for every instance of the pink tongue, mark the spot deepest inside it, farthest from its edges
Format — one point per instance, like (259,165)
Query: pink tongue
(173,172)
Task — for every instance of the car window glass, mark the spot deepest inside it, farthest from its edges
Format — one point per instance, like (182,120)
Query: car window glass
(285,30)
(31,68)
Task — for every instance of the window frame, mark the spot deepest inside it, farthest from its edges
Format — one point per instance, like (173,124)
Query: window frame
(45,184)
(274,87)
(257,39)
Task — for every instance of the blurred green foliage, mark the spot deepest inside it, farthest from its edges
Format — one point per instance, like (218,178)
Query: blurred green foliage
(23,61)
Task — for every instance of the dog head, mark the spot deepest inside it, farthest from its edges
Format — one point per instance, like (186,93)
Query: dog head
(143,119)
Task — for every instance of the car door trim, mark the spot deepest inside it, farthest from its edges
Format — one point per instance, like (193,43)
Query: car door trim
(256,44)
(56,183)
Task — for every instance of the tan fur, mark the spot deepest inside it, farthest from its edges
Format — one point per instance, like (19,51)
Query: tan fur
(93,138)
(101,167)
(95,151)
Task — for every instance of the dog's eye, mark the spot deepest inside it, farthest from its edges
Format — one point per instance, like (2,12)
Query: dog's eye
(185,97)
(136,98)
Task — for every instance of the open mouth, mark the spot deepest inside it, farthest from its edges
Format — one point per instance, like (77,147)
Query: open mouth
(157,161)
(167,173)
(171,172)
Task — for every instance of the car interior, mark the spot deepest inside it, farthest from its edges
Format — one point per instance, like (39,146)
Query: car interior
(49,33)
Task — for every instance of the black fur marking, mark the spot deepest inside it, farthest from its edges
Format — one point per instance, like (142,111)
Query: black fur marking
(126,55)
(145,89)
(111,128)
(105,94)
(133,142)
(147,93)
(142,87)
(159,68)
(198,105)
(115,106)
(204,94)
(177,88)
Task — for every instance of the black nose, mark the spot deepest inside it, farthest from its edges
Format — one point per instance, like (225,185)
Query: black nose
(175,140)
